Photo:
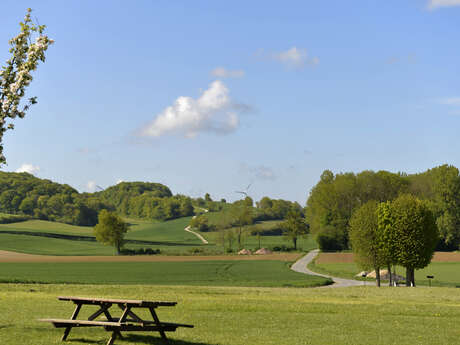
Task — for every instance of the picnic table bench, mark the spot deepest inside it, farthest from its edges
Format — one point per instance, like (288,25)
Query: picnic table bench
(128,321)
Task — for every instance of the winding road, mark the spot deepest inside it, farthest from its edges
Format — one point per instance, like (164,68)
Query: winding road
(301,267)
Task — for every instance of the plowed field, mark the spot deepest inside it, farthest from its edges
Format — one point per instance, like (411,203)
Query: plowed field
(6,256)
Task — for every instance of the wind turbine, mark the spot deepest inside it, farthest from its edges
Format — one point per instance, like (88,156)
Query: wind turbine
(245,192)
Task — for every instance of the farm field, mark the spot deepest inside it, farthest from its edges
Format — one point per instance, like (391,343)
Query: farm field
(211,273)
(445,267)
(36,237)
(242,316)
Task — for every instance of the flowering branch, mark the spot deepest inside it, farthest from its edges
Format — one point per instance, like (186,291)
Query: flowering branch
(16,75)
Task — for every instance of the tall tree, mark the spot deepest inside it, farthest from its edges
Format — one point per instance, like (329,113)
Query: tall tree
(365,238)
(27,50)
(415,232)
(294,226)
(242,215)
(110,229)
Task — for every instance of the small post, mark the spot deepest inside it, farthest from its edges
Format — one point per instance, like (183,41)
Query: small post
(429,280)
(364,275)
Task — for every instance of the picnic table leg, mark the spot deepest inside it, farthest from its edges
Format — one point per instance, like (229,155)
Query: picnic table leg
(157,321)
(113,337)
(74,317)
(109,318)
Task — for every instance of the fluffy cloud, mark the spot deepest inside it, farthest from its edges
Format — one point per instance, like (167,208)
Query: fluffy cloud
(213,111)
(434,4)
(450,101)
(221,72)
(29,168)
(295,57)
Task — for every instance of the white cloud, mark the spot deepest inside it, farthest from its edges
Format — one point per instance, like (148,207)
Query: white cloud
(221,72)
(120,181)
(260,172)
(295,57)
(434,4)
(450,101)
(264,173)
(28,168)
(213,111)
(91,186)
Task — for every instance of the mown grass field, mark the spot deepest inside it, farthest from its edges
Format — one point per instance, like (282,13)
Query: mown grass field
(169,237)
(445,273)
(209,273)
(247,316)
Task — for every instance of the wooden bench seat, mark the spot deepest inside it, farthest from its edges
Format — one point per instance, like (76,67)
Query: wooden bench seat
(62,323)
(111,326)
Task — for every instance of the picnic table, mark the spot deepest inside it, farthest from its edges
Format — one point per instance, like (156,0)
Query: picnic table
(128,321)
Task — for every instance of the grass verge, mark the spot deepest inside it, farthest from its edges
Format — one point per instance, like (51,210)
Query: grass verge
(246,316)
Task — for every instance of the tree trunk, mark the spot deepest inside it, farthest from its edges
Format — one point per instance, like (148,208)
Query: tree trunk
(410,276)
(295,242)
(239,238)
(391,277)
(377,276)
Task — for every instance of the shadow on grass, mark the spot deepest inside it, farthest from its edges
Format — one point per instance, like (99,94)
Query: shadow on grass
(141,339)
(149,339)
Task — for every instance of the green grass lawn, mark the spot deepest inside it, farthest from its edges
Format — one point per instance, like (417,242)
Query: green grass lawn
(215,273)
(445,273)
(246,316)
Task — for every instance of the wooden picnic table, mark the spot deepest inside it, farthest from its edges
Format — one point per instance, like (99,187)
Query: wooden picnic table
(128,321)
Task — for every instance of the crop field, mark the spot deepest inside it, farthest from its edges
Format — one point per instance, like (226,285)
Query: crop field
(51,238)
(445,267)
(214,273)
(247,316)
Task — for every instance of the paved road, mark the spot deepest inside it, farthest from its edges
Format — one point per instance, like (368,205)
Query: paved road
(301,267)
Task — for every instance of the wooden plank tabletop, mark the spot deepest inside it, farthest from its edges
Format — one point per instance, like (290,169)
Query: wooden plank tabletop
(96,300)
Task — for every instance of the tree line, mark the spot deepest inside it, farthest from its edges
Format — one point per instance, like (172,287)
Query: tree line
(335,198)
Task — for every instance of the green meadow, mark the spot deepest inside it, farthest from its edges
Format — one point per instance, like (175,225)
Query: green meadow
(246,316)
(37,237)
(445,274)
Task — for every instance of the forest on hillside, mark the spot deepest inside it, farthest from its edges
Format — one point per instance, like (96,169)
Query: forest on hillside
(25,194)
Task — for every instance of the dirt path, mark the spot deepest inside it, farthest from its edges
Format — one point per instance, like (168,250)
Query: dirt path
(301,267)
(187,228)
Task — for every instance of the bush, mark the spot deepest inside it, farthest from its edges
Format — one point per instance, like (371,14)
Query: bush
(268,232)
(140,251)
(282,248)
(12,218)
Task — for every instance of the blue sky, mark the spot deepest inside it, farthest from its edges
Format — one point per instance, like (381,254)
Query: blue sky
(209,96)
